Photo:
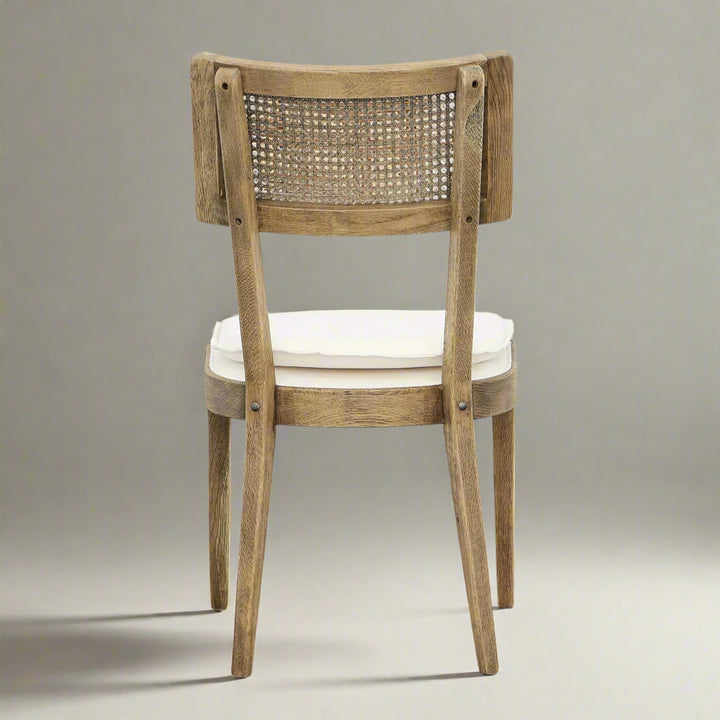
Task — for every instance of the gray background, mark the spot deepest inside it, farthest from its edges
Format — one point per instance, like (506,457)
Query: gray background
(609,268)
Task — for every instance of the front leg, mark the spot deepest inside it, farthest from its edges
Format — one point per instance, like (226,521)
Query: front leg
(464,482)
(259,451)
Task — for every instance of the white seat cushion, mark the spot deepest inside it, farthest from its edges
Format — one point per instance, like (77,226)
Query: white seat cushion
(362,348)
(364,338)
(221,365)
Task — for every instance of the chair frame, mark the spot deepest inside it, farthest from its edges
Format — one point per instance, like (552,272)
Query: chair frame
(481,192)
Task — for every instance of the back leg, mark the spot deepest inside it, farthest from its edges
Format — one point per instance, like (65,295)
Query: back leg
(504,464)
(464,482)
(219,482)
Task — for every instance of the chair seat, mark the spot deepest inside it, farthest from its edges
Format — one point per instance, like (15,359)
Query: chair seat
(362,348)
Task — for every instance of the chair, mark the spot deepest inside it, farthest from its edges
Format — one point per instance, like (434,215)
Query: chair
(366,150)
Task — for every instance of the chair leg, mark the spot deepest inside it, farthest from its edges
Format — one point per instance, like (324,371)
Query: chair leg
(504,463)
(219,481)
(464,482)
(259,450)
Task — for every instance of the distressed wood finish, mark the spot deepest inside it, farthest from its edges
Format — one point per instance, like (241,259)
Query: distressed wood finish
(497,179)
(219,485)
(457,363)
(351,82)
(357,220)
(372,407)
(356,407)
(223,396)
(252,301)
(257,354)
(503,429)
(480,192)
(259,452)
(210,205)
(495,395)
(344,81)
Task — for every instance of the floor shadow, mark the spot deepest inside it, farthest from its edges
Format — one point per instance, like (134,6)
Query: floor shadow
(434,612)
(378,680)
(83,619)
(69,659)
(108,688)
(160,684)
(390,679)
(63,657)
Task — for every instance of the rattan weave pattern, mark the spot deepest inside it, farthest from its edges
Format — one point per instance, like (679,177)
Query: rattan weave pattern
(351,151)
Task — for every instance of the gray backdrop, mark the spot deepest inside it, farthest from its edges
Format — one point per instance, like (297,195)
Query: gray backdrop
(609,268)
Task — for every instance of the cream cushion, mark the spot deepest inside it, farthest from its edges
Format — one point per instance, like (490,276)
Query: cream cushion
(362,348)
(364,338)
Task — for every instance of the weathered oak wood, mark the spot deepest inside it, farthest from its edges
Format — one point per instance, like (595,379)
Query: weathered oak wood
(337,220)
(259,451)
(371,407)
(497,181)
(344,81)
(495,395)
(257,357)
(240,192)
(223,396)
(351,82)
(457,362)
(503,429)
(210,203)
(219,482)
(480,192)
(361,407)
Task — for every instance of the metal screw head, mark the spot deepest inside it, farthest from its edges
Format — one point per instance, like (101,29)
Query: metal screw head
(462,405)
(255,405)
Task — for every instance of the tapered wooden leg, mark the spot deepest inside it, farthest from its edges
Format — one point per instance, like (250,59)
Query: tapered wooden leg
(464,481)
(504,462)
(219,477)
(259,449)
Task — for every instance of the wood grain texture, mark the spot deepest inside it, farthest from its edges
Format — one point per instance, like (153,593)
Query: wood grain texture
(357,220)
(345,81)
(465,201)
(240,191)
(457,361)
(358,407)
(503,428)
(464,482)
(352,82)
(210,203)
(219,510)
(495,395)
(497,180)
(480,193)
(257,358)
(223,396)
(259,451)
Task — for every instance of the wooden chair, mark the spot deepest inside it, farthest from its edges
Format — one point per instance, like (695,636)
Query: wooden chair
(366,150)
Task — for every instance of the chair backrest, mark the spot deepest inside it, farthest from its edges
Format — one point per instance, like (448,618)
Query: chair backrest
(385,149)
(357,150)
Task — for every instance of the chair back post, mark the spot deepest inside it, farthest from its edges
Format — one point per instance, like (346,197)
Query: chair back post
(242,216)
(465,208)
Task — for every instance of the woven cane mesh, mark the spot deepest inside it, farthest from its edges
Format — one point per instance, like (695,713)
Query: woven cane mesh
(354,151)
